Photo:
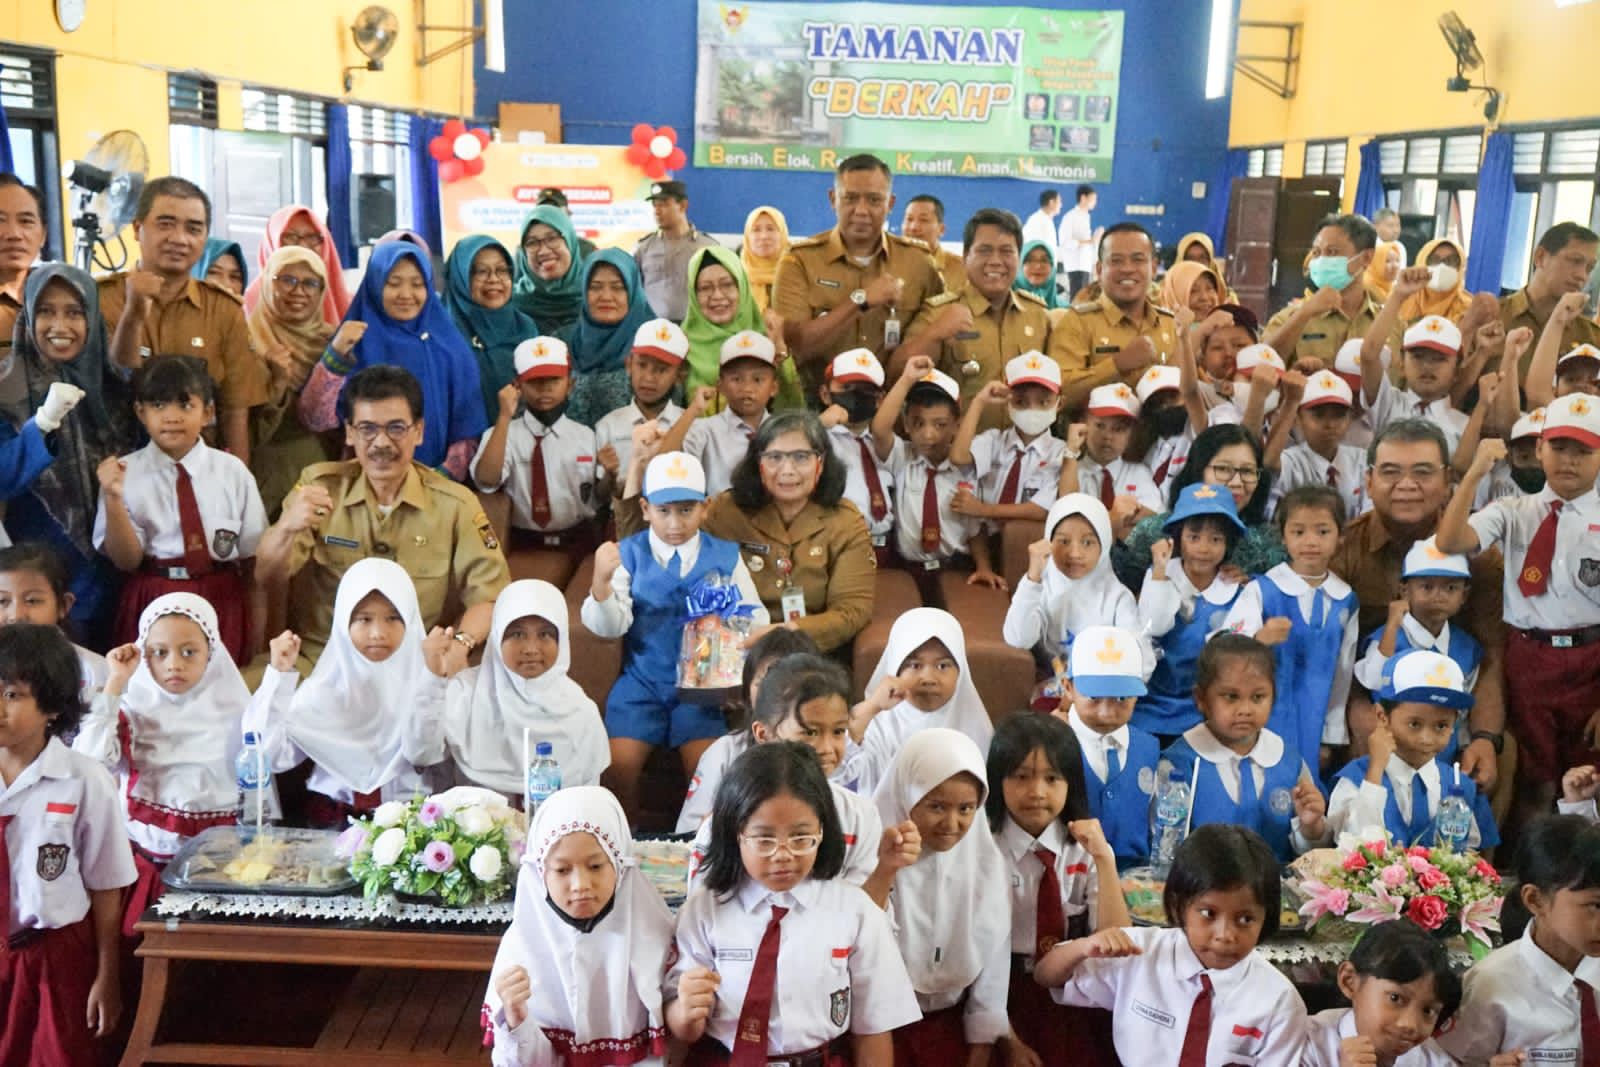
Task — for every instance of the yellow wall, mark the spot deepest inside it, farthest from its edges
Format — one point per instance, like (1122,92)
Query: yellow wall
(1379,66)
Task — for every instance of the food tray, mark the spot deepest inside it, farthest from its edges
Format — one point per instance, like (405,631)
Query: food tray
(1142,890)
(665,864)
(286,860)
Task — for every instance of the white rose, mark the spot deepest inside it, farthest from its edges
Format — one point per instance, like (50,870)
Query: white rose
(389,814)
(386,849)
(474,820)
(485,863)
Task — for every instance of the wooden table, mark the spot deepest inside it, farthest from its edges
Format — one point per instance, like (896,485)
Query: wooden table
(414,1000)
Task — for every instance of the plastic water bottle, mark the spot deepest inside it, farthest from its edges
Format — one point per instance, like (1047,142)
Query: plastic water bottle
(255,782)
(1169,821)
(1453,824)
(544,777)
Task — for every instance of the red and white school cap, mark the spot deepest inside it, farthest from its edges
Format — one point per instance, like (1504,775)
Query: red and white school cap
(1435,332)
(747,344)
(1034,368)
(1529,425)
(1112,400)
(1252,356)
(1589,352)
(857,365)
(1326,387)
(662,339)
(943,382)
(1347,361)
(1158,378)
(541,357)
(1575,416)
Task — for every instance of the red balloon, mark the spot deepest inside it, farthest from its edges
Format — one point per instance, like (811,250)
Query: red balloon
(638,155)
(441,149)
(655,168)
(668,132)
(642,133)
(473,167)
(676,159)
(451,170)
(454,128)
(482,135)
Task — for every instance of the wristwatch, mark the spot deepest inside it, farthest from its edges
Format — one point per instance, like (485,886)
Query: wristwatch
(859,299)
(1497,740)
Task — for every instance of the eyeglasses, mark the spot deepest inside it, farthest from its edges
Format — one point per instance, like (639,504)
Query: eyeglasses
(292,282)
(1393,473)
(491,274)
(802,457)
(717,289)
(302,240)
(1223,473)
(395,430)
(539,244)
(767,847)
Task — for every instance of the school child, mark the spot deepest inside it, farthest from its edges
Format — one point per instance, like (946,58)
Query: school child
(1162,410)
(1430,357)
(1535,996)
(1253,391)
(182,514)
(1238,770)
(522,692)
(1184,599)
(952,907)
(806,698)
(1402,990)
(759,658)
(1063,877)
(1519,473)
(1104,680)
(1100,471)
(638,594)
(577,977)
(34,587)
(67,862)
(1552,587)
(1578,789)
(655,367)
(1550,374)
(930,534)
(167,724)
(851,392)
(1401,781)
(747,378)
(772,933)
(1018,467)
(1308,615)
(1323,417)
(1347,367)
(1193,992)
(371,716)
(922,680)
(544,460)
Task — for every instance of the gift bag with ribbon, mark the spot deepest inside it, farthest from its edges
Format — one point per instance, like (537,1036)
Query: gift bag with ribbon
(711,655)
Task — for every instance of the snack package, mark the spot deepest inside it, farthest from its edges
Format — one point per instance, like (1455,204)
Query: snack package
(711,654)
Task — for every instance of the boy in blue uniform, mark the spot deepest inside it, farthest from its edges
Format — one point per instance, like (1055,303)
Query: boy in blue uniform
(638,594)
(1105,678)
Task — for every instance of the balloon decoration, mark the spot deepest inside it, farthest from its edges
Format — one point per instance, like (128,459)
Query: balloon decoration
(459,151)
(655,150)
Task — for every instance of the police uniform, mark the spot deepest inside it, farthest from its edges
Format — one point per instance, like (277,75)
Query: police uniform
(436,531)
(1322,336)
(1020,324)
(1516,310)
(204,320)
(816,275)
(664,270)
(1085,339)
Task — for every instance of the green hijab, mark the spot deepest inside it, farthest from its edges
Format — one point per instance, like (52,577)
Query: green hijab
(551,304)
(1045,292)
(706,337)
(493,335)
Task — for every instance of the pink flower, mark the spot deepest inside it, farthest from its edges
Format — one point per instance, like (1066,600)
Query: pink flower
(1480,917)
(1417,850)
(1428,912)
(1431,878)
(1355,862)
(1418,863)
(1377,848)
(438,857)
(1322,899)
(1395,875)
(1484,870)
(350,841)
(429,813)
(1379,906)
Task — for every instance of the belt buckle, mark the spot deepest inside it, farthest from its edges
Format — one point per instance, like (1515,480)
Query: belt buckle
(552,541)
(177,574)
(930,564)
(880,540)
(1561,641)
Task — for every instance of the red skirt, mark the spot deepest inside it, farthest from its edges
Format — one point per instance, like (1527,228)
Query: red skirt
(44,985)
(325,813)
(145,890)
(1062,1036)
(224,589)
(938,1039)
(708,1052)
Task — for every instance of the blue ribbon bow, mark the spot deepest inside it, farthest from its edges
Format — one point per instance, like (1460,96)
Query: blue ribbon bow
(721,600)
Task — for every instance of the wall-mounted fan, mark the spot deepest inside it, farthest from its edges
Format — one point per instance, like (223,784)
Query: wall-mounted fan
(374,31)
(1464,43)
(108,181)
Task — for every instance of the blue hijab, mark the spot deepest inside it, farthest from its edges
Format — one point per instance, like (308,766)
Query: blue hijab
(595,346)
(216,248)
(493,335)
(429,346)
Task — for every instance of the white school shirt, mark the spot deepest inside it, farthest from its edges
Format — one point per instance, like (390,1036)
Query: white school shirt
(846,446)
(1369,669)
(1076,241)
(567,449)
(1245,617)
(1517,997)
(1127,479)
(1036,621)
(615,428)
(94,671)
(224,489)
(1327,1029)
(1257,1016)
(911,474)
(837,960)
(1267,751)
(714,763)
(719,442)
(1300,466)
(1074,869)
(65,839)
(1097,746)
(1161,603)
(1356,808)
(1173,452)
(1396,403)
(1567,603)
(993,453)
(610,618)
(859,821)
(1496,486)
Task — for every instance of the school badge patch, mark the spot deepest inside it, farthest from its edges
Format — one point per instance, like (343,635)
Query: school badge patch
(52,861)
(839,1007)
(1281,801)
(1589,572)
(223,543)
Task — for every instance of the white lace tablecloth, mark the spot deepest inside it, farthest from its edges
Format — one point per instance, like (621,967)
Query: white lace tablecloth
(177,904)
(1288,951)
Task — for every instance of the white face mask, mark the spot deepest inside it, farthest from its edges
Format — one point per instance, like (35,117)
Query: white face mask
(1032,421)
(1442,277)
(1241,398)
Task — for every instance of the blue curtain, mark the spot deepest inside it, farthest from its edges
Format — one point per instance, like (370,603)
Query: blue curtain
(340,167)
(425,183)
(1491,216)
(1369,187)
(1234,165)
(7,164)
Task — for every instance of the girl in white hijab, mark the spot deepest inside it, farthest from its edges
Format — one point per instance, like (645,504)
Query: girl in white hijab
(951,908)
(371,714)
(921,680)
(522,687)
(578,975)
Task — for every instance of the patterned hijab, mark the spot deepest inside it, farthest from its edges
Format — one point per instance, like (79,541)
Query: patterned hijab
(268,326)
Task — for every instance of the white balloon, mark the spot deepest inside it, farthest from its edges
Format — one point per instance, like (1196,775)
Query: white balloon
(468,147)
(660,146)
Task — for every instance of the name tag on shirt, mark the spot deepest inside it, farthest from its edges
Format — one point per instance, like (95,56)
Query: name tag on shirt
(1552,1055)
(829,282)
(342,542)
(735,955)
(794,605)
(1155,1015)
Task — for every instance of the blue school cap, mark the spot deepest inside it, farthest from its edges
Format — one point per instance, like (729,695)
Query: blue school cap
(1203,499)
(1106,661)
(1423,677)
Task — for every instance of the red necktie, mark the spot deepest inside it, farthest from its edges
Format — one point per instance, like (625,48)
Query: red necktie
(196,557)
(750,1039)
(1535,576)
(1198,1033)
(539,488)
(869,471)
(1333,475)
(930,514)
(1050,925)
(1161,471)
(5,882)
(1008,491)
(1590,1023)
(1107,490)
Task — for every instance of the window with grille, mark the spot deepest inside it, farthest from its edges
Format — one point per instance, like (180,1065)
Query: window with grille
(274,112)
(1325,158)
(28,84)
(1265,162)
(191,101)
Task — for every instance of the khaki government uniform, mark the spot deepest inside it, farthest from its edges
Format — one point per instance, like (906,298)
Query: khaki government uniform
(205,321)
(437,531)
(10,310)
(1086,338)
(1325,334)
(952,270)
(1021,324)
(1516,310)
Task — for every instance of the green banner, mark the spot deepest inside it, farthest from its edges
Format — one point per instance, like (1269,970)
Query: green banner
(977,92)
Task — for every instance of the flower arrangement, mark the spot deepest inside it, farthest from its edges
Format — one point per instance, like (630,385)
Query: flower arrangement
(461,846)
(1374,880)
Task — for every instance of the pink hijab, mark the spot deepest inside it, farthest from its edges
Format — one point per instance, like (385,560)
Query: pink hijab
(335,298)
